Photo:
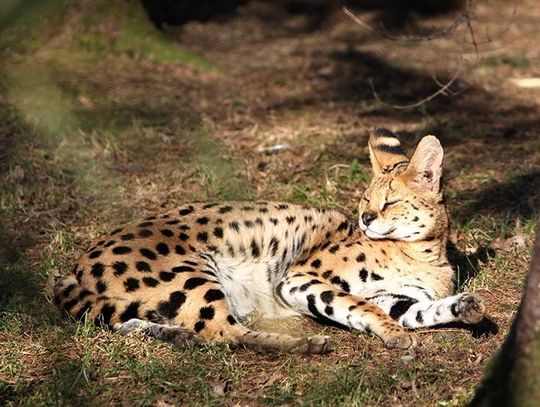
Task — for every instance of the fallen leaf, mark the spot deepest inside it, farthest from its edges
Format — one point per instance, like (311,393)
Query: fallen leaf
(220,388)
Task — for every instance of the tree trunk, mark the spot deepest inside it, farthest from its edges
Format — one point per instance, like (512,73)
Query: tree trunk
(512,378)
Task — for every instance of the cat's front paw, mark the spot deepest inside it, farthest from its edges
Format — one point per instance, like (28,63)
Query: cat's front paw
(402,340)
(469,308)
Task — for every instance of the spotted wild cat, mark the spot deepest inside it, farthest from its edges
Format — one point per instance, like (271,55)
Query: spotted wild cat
(191,274)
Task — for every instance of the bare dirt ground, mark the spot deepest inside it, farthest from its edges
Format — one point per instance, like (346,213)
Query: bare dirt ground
(105,118)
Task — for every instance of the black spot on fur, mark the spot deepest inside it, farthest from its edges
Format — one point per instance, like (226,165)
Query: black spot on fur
(110,243)
(419,317)
(282,207)
(121,250)
(315,312)
(166,276)
(209,205)
(213,295)
(290,219)
(182,236)
(150,281)
(231,320)
(376,277)
(167,232)
(454,309)
(70,304)
(143,267)
(305,286)
(145,224)
(107,311)
(225,209)
(182,269)
(328,310)
(361,258)
(186,211)
(84,293)
(199,326)
(327,273)
(119,268)
(128,236)
(218,232)
(342,226)
(327,297)
(68,290)
(401,307)
(234,225)
(169,309)
(172,222)
(202,237)
(316,263)
(162,249)
(145,233)
(101,287)
(363,275)
(334,249)
(255,250)
(131,284)
(97,269)
(95,254)
(115,231)
(194,282)
(342,283)
(149,254)
(131,311)
(207,312)
(179,250)
(274,246)
(203,220)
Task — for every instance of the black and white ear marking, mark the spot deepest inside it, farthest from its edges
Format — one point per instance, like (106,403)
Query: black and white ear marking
(385,151)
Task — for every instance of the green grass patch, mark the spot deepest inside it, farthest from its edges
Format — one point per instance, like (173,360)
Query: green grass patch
(134,36)
(25,25)
(517,61)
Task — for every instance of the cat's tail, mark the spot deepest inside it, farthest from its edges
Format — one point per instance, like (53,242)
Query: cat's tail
(282,342)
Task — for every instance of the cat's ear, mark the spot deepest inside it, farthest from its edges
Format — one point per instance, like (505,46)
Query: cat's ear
(425,169)
(385,151)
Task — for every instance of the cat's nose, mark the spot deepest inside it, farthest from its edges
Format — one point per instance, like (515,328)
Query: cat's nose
(368,217)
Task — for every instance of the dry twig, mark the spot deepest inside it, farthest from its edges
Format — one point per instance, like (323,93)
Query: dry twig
(465,20)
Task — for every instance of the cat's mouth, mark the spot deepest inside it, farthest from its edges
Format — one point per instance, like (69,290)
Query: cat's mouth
(372,234)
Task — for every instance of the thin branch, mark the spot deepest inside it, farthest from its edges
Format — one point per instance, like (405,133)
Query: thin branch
(442,90)
(357,20)
(470,27)
(385,33)
(465,20)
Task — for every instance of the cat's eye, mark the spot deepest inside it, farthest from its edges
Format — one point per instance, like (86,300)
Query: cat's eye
(389,203)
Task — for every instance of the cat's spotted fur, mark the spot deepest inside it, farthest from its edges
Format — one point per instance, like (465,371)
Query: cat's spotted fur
(191,274)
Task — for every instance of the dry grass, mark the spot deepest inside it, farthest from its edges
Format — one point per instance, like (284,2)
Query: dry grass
(104,118)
